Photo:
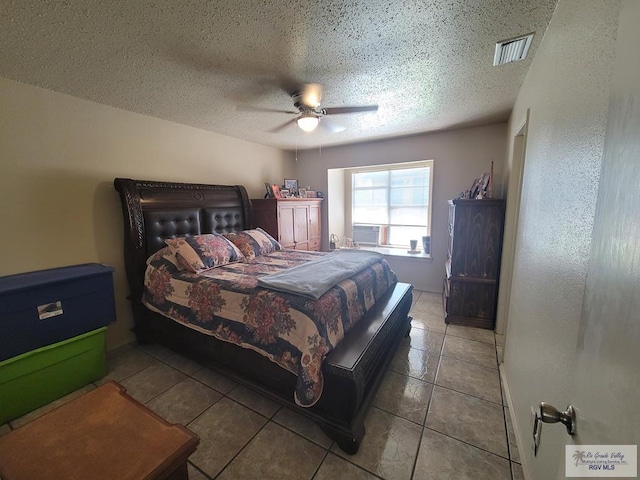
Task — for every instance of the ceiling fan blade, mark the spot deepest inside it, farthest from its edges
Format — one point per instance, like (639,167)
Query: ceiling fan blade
(251,108)
(282,126)
(311,94)
(338,110)
(331,126)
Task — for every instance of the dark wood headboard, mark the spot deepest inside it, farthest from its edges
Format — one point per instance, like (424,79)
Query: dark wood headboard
(154,211)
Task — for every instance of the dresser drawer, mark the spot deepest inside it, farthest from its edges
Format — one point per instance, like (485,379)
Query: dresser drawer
(470,303)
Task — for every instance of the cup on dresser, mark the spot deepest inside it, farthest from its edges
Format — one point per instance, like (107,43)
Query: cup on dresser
(414,245)
(426,244)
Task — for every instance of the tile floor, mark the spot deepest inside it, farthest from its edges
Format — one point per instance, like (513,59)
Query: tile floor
(439,414)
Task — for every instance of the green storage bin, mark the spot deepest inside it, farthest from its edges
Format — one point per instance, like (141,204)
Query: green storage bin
(35,378)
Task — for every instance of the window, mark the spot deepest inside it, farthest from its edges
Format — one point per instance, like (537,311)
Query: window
(396,197)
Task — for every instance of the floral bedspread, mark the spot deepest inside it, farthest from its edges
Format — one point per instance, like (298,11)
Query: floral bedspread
(293,331)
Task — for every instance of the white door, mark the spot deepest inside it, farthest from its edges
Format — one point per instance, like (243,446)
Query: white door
(574,328)
(606,390)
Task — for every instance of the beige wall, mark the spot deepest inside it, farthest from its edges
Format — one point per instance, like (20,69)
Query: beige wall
(567,91)
(58,158)
(459,157)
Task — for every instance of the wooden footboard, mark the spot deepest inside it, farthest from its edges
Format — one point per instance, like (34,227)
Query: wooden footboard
(356,367)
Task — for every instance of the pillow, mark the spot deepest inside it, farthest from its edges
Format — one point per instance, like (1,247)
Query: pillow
(163,258)
(202,252)
(253,243)
(163,254)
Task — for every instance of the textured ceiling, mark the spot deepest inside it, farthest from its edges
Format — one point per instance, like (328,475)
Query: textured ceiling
(427,64)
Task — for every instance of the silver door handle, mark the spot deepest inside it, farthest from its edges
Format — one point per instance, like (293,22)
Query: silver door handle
(550,414)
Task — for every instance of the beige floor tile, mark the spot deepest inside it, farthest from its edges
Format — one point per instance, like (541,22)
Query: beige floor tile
(334,468)
(470,351)
(254,401)
(469,378)
(275,453)
(415,295)
(50,406)
(429,302)
(302,426)
(444,458)
(154,349)
(419,364)
(184,401)
(472,333)
(514,453)
(224,429)
(152,381)
(404,396)
(470,419)
(389,447)
(424,339)
(430,321)
(195,474)
(215,380)
(183,364)
(124,362)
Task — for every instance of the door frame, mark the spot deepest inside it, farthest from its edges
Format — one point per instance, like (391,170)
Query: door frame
(512,215)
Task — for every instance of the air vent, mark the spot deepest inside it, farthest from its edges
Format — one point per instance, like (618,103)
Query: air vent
(512,50)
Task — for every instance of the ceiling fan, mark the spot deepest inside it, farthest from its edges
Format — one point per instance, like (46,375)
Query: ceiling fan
(309,114)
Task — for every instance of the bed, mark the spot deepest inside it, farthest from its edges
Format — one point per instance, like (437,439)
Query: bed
(351,371)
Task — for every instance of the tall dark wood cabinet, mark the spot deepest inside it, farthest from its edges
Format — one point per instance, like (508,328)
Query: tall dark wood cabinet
(473,262)
(294,222)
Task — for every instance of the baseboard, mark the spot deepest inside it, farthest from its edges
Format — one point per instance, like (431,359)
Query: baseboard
(516,427)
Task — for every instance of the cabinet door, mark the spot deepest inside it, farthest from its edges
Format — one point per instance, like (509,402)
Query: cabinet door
(315,231)
(471,303)
(286,223)
(477,232)
(301,227)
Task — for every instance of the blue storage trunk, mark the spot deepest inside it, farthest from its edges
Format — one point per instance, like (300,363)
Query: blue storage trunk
(48,306)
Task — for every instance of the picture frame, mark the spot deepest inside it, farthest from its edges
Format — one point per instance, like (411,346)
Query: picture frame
(485,179)
(276,191)
(291,185)
(285,193)
(302,192)
(268,187)
(475,188)
(311,194)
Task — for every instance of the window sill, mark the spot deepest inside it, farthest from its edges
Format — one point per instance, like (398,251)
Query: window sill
(395,252)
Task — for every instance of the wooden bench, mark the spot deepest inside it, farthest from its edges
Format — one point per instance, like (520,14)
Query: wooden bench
(104,434)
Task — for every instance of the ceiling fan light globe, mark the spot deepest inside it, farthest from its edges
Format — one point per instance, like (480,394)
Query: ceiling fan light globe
(308,123)
(311,95)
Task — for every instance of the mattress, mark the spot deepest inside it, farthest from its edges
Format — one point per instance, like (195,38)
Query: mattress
(293,331)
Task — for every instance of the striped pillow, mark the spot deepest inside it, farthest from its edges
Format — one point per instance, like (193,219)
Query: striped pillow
(253,243)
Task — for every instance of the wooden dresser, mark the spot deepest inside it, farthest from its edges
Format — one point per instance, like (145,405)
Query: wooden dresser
(294,222)
(473,262)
